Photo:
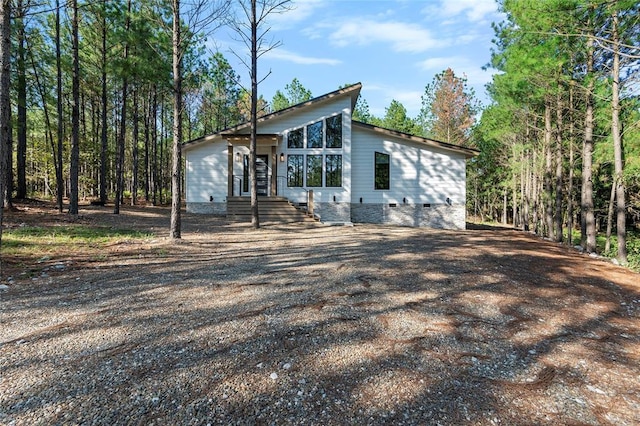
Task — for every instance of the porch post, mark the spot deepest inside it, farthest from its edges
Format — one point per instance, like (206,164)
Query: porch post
(274,172)
(230,171)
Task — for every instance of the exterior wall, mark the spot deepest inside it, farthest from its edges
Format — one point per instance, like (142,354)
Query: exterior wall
(206,173)
(441,216)
(216,209)
(305,117)
(419,175)
(333,212)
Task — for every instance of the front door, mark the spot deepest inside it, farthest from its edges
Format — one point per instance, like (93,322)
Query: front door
(262,174)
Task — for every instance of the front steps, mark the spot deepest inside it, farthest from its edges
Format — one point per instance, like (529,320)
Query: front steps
(270,210)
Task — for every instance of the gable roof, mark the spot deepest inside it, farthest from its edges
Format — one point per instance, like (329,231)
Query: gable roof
(467,152)
(353,91)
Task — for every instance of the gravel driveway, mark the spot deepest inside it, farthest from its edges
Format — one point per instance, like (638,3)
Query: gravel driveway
(307,324)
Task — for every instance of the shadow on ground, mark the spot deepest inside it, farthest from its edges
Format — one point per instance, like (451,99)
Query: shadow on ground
(324,325)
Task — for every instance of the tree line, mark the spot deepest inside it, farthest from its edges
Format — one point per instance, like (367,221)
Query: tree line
(560,143)
(94,111)
(125,95)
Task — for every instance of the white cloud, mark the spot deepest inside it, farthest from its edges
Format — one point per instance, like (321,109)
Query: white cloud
(461,66)
(474,10)
(403,37)
(285,55)
(299,10)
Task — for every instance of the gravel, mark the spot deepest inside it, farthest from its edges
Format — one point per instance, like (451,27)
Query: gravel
(307,324)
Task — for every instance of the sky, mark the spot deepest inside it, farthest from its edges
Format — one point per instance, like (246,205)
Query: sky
(393,47)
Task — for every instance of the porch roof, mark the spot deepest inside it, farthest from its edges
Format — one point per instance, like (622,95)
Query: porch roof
(262,139)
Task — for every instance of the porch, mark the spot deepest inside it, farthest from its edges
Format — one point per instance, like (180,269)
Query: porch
(270,209)
(268,182)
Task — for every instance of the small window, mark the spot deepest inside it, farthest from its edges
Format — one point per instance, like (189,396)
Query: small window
(245,173)
(295,170)
(314,135)
(381,171)
(314,170)
(334,132)
(333,166)
(295,139)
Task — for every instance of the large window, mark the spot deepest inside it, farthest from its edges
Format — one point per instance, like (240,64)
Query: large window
(314,135)
(314,170)
(334,131)
(295,170)
(333,170)
(381,171)
(295,139)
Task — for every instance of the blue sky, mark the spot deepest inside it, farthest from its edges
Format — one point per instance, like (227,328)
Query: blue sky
(393,47)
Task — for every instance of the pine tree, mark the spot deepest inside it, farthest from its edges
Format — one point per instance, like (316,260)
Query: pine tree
(448,109)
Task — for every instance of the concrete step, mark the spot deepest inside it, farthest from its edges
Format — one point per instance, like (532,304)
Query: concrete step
(270,209)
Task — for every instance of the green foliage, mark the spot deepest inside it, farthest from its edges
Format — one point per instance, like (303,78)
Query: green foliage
(279,101)
(633,249)
(541,52)
(361,111)
(42,241)
(294,93)
(396,118)
(220,92)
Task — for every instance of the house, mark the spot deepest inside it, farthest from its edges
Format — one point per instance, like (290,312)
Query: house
(354,172)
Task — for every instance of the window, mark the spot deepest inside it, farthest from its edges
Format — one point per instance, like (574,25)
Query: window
(314,170)
(333,167)
(381,171)
(314,135)
(295,139)
(245,174)
(334,132)
(295,170)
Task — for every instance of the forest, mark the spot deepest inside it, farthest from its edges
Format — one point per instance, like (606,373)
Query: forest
(559,142)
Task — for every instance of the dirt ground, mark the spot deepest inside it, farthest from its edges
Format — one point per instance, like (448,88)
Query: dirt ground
(309,324)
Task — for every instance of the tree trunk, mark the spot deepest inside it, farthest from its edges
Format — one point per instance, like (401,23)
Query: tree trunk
(154,147)
(612,198)
(123,122)
(60,133)
(534,193)
(621,208)
(571,166)
(548,193)
(588,224)
(5,95)
(559,171)
(103,96)
(136,134)
(255,218)
(504,206)
(175,232)
(75,114)
(526,192)
(21,92)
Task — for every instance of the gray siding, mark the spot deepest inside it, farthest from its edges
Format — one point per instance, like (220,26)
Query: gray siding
(333,212)
(216,209)
(437,216)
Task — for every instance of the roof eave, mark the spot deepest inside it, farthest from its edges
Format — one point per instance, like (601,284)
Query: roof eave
(353,90)
(467,152)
